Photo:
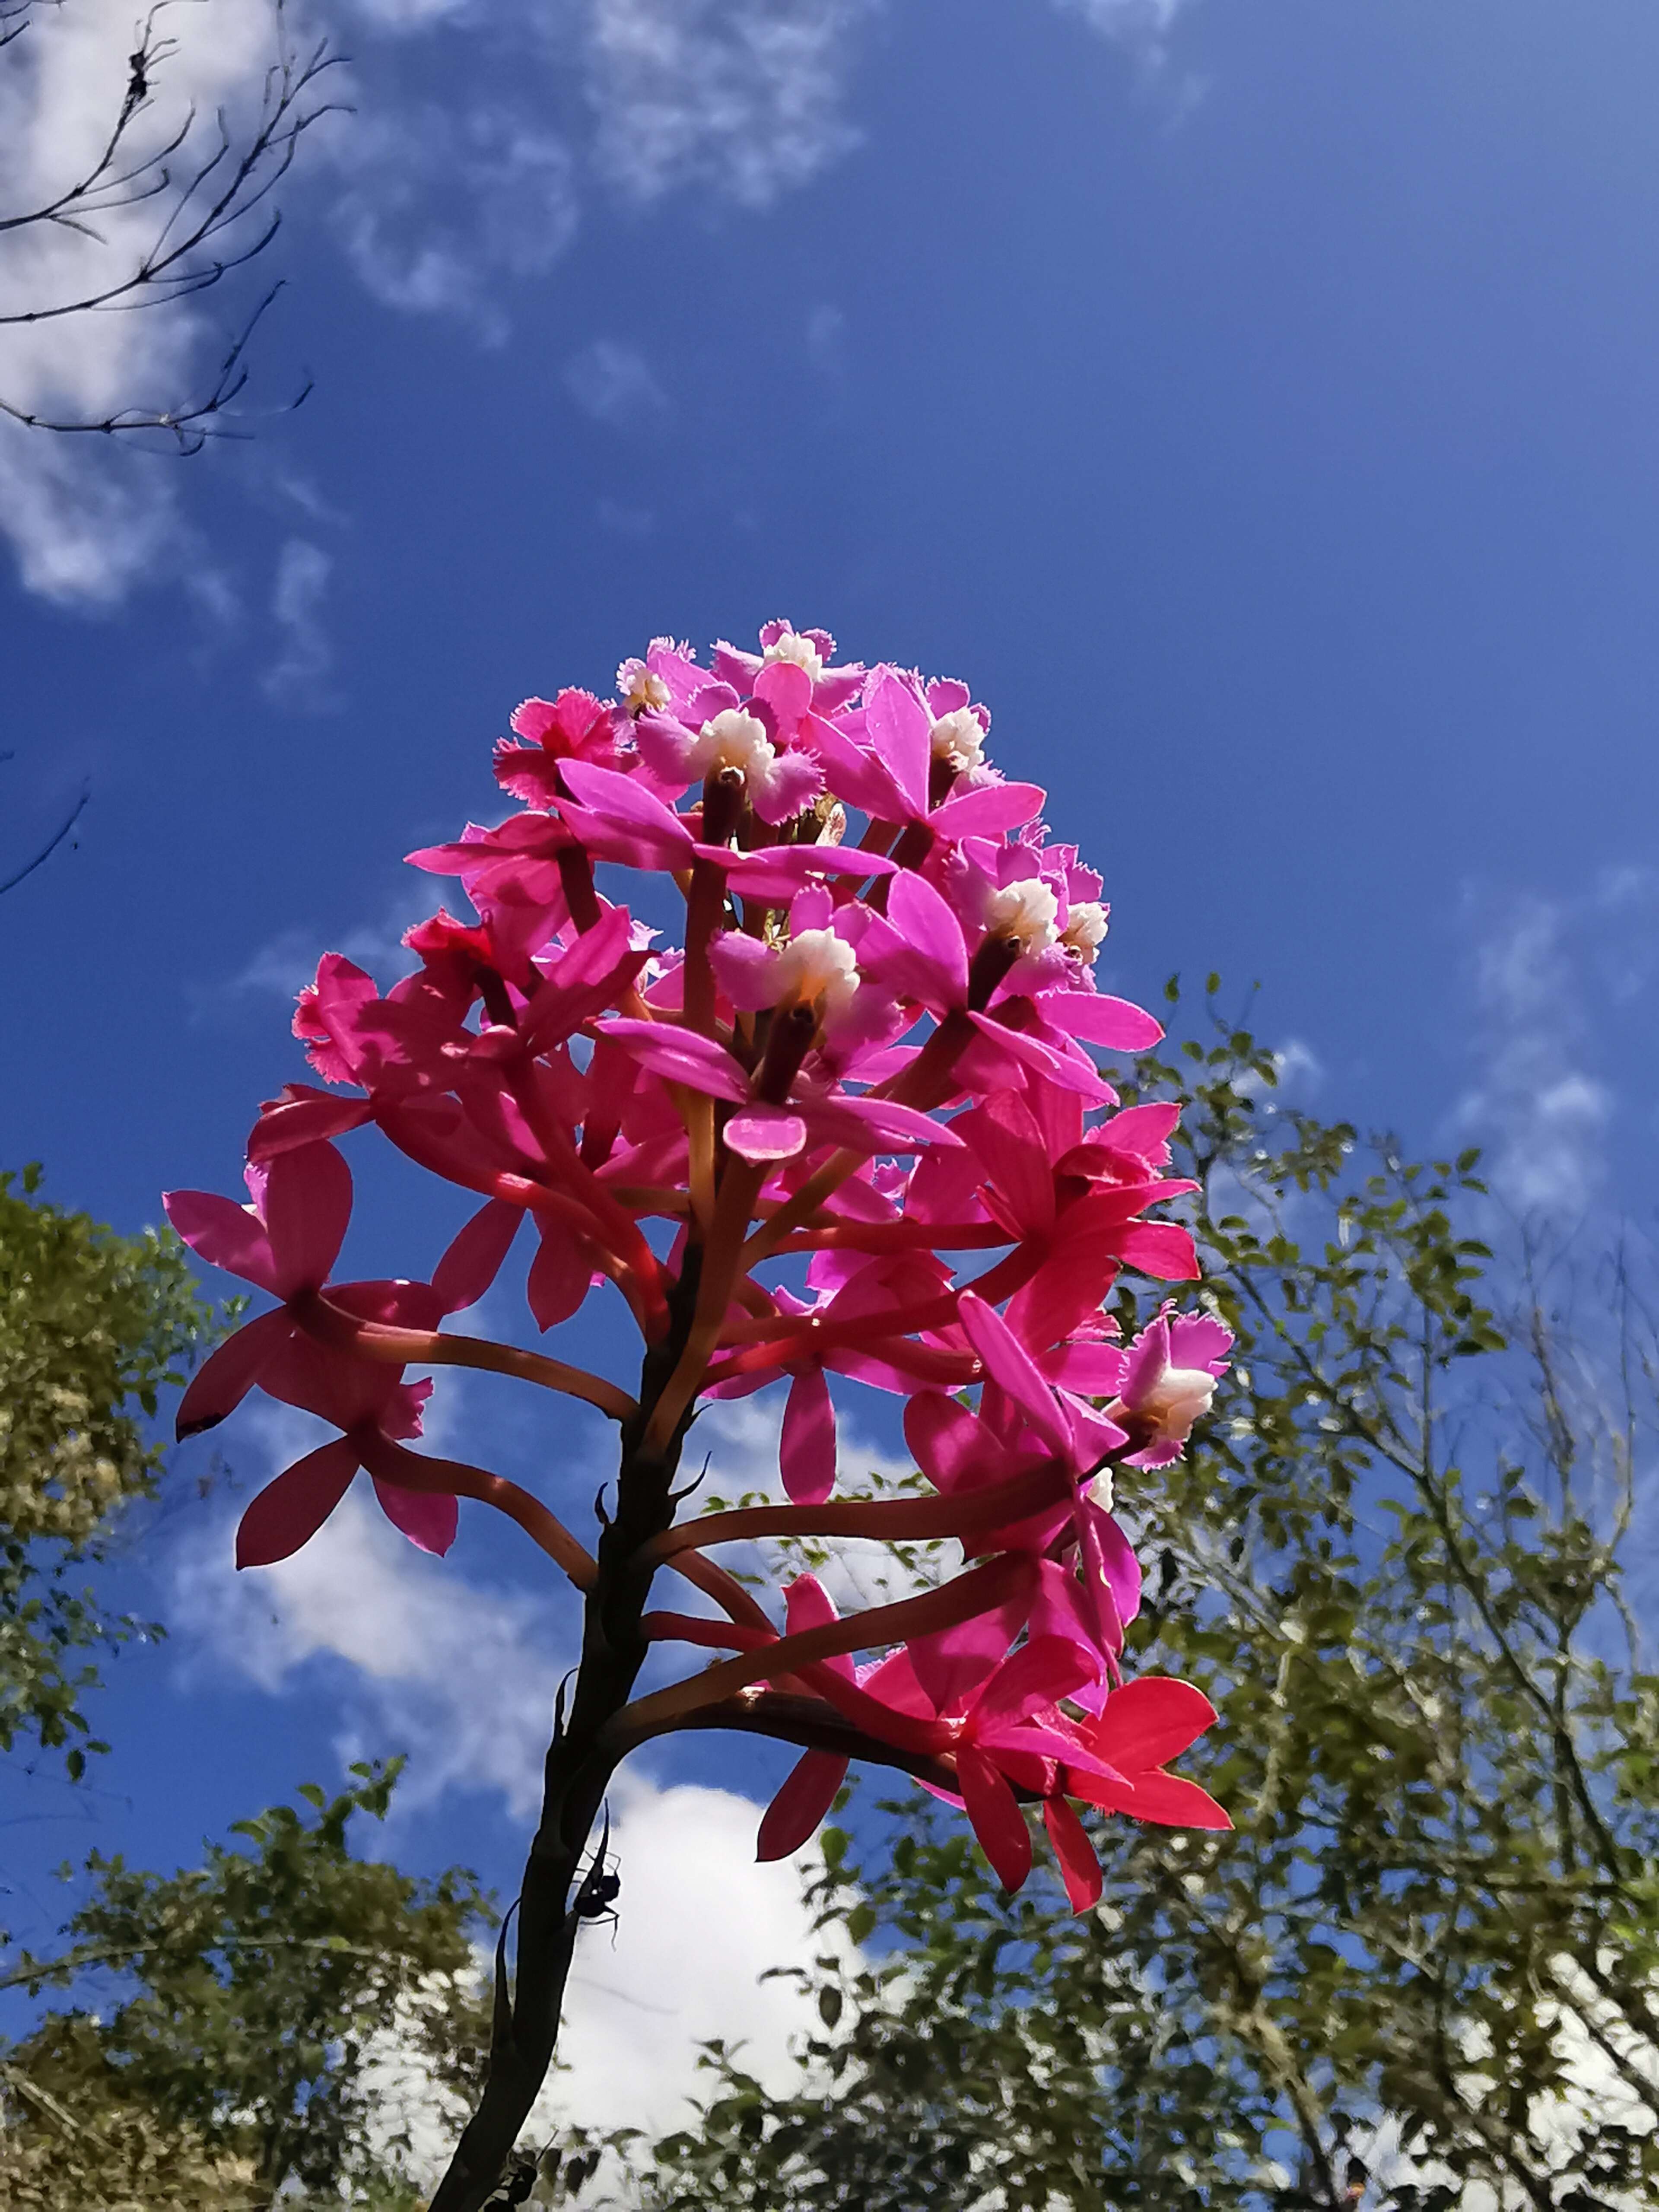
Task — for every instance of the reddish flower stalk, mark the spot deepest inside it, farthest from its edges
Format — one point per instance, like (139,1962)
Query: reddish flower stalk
(870,1061)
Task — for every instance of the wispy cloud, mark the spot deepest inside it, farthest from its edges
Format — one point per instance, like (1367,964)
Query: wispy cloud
(1143,25)
(613,383)
(304,657)
(746,96)
(1542,1101)
(439,208)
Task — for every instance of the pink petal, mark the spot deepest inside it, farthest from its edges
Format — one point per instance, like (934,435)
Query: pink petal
(876,1124)
(1115,1022)
(1003,1133)
(862,779)
(1110,1555)
(307,1206)
(924,920)
(475,1255)
(1198,1340)
(682,1055)
(805,1797)
(765,1133)
(624,799)
(776,873)
(953,1450)
(300,1116)
(787,689)
(559,1274)
(1011,1367)
(950,1665)
(428,1518)
(997,1821)
(1078,1867)
(224,1234)
(745,969)
(807,1446)
(898,726)
(987,810)
(225,1378)
(289,1512)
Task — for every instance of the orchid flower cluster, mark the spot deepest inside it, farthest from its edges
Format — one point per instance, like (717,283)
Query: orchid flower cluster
(851,1127)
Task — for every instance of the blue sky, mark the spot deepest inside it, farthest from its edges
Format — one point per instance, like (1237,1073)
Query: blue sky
(1252,399)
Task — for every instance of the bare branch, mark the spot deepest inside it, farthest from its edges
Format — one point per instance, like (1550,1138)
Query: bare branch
(213,216)
(52,842)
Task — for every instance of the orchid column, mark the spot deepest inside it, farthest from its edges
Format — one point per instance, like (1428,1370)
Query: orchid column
(851,1126)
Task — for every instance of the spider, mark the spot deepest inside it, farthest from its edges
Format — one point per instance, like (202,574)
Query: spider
(599,1889)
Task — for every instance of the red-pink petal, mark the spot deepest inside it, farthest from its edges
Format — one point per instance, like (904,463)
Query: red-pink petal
(795,1812)
(1080,1869)
(475,1255)
(225,1235)
(225,1378)
(1161,1249)
(1030,1679)
(1009,1364)
(807,1446)
(428,1518)
(997,1821)
(1168,1800)
(307,1206)
(1150,1721)
(559,1274)
(289,1512)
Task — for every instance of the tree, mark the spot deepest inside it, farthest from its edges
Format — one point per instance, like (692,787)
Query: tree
(1423,1970)
(291,2013)
(158,207)
(94,1326)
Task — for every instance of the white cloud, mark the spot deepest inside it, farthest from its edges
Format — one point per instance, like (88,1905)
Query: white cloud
(1141,24)
(86,523)
(81,532)
(613,383)
(463,1676)
(1543,1114)
(296,604)
(742,96)
(440,207)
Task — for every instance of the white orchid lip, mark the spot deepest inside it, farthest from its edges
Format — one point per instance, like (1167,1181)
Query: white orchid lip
(1178,1400)
(734,739)
(641,689)
(1025,911)
(817,964)
(793,646)
(958,739)
(1085,929)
